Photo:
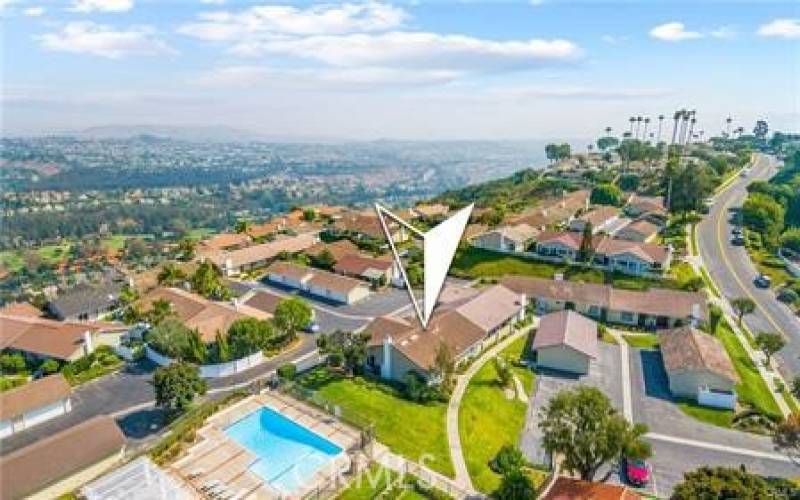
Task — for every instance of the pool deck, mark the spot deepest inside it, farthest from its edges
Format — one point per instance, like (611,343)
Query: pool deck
(216,458)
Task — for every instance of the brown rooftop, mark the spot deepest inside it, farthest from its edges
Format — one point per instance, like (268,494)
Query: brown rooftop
(290,269)
(36,394)
(338,248)
(330,281)
(567,328)
(59,456)
(359,264)
(688,349)
(21,309)
(45,337)
(566,488)
(266,251)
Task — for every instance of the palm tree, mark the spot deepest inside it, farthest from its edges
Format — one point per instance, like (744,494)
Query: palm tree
(646,124)
(692,122)
(676,117)
(684,126)
(728,121)
(608,131)
(638,124)
(660,122)
(632,120)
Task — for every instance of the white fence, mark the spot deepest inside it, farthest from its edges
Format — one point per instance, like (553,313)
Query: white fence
(716,399)
(212,371)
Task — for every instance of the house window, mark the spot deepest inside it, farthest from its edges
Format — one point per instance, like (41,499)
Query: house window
(594,311)
(626,316)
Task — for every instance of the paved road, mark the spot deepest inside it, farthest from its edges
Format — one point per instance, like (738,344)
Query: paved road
(733,272)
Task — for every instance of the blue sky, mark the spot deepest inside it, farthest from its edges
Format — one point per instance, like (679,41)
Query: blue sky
(410,70)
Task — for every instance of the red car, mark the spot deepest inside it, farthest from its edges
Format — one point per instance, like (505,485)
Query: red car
(637,472)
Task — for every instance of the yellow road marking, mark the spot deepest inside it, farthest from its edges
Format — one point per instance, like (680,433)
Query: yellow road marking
(747,292)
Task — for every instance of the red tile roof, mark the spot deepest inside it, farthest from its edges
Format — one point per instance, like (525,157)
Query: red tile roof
(566,488)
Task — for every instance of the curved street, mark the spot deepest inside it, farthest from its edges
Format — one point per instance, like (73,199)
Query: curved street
(733,272)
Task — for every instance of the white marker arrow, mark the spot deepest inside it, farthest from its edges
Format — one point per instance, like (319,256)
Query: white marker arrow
(439,246)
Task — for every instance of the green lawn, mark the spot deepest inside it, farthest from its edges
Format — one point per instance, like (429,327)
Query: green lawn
(487,420)
(369,484)
(709,282)
(8,382)
(409,429)
(200,233)
(13,260)
(643,340)
(751,388)
(713,416)
(769,265)
(477,262)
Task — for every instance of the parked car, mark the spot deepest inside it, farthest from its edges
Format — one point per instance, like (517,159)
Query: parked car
(737,231)
(637,472)
(738,241)
(311,328)
(763,281)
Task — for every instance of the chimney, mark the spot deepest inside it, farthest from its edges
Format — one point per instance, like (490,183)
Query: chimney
(386,365)
(88,343)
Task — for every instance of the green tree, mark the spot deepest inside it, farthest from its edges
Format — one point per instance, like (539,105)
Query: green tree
(187,249)
(629,182)
(586,250)
(173,339)
(249,335)
(791,239)
(444,368)
(12,363)
(309,214)
(583,427)
(606,194)
(763,214)
(742,306)
(349,347)
(721,482)
(324,260)
(176,386)
(242,226)
(714,319)
(504,373)
(516,485)
(222,347)
(787,434)
(170,275)
(207,281)
(770,343)
(608,142)
(160,309)
(292,315)
(49,366)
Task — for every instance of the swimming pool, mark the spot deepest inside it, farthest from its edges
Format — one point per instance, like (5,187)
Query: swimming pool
(288,453)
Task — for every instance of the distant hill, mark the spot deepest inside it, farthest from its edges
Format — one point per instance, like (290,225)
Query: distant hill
(211,133)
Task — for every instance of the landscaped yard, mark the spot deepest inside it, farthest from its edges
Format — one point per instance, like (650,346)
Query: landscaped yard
(713,416)
(751,388)
(380,482)
(488,420)
(409,429)
(642,340)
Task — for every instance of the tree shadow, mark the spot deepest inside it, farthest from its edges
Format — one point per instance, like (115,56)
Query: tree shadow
(143,423)
(656,382)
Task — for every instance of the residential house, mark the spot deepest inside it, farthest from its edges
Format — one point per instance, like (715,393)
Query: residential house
(33,403)
(654,308)
(58,464)
(512,239)
(645,206)
(463,326)
(85,302)
(21,309)
(41,338)
(629,257)
(253,257)
(601,219)
(367,226)
(337,249)
(322,284)
(430,212)
(223,242)
(554,211)
(566,341)
(698,367)
(567,488)
(367,268)
(632,257)
(209,318)
(640,230)
(264,229)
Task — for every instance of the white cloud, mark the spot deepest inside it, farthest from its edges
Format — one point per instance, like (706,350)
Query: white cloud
(273,20)
(104,41)
(781,28)
(419,50)
(536,3)
(724,32)
(102,5)
(674,32)
(346,79)
(33,11)
(613,40)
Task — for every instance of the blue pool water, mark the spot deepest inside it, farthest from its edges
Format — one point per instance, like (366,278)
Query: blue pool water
(288,453)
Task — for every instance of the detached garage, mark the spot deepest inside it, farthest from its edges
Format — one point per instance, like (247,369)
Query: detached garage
(698,367)
(33,403)
(565,341)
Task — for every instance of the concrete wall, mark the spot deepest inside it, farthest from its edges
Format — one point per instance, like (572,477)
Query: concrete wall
(212,371)
(563,358)
(35,417)
(686,384)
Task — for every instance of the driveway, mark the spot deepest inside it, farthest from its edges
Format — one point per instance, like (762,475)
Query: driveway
(604,373)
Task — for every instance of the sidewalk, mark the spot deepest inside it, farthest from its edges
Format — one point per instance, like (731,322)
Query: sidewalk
(453,436)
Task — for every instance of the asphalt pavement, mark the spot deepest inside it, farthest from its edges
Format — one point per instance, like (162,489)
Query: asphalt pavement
(733,272)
